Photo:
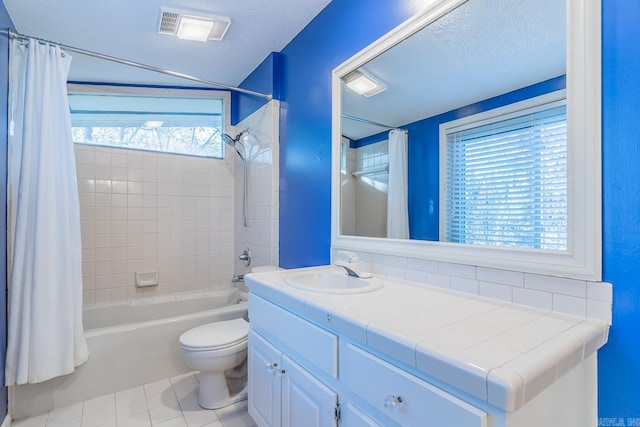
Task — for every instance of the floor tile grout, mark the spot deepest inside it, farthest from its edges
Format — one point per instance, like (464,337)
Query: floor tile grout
(174,403)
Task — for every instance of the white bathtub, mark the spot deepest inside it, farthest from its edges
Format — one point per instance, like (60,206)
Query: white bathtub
(130,344)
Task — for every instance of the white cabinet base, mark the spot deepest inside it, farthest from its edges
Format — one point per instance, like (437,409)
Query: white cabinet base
(282,393)
(572,401)
(264,385)
(297,372)
(305,400)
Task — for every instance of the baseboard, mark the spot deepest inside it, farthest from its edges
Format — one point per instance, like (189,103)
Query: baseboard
(6,422)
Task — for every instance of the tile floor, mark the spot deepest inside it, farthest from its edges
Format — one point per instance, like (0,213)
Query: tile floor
(167,403)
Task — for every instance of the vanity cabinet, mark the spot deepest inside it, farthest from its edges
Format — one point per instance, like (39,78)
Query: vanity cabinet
(337,360)
(283,354)
(281,391)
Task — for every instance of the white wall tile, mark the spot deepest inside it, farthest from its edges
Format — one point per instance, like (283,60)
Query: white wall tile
(600,291)
(599,310)
(394,261)
(126,220)
(457,270)
(570,305)
(570,287)
(416,276)
(533,298)
(461,284)
(496,291)
(396,272)
(261,235)
(440,280)
(503,277)
(422,265)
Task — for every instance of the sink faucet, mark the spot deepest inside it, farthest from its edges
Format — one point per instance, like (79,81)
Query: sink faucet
(350,272)
(352,265)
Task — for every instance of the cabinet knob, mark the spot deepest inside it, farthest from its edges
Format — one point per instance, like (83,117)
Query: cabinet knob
(278,373)
(392,403)
(271,366)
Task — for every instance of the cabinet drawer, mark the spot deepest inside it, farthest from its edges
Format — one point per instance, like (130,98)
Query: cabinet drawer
(409,400)
(314,345)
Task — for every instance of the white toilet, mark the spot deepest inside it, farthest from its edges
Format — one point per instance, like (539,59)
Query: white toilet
(213,349)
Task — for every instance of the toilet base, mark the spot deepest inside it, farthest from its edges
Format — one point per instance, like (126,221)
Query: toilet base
(213,392)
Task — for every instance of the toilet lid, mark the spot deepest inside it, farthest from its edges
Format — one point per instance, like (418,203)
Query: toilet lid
(215,335)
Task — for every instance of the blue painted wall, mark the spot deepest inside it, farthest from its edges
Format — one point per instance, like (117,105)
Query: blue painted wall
(341,29)
(620,358)
(5,22)
(264,79)
(305,165)
(423,153)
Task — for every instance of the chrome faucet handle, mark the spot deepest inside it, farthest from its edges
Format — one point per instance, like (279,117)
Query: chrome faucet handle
(351,257)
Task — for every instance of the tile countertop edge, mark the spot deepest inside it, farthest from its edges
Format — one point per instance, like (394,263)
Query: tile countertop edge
(507,386)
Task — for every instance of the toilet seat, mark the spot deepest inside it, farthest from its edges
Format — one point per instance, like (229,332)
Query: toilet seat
(215,336)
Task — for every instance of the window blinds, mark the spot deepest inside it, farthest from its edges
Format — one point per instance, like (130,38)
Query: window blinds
(506,182)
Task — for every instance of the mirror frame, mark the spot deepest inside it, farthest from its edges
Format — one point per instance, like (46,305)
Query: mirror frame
(583,260)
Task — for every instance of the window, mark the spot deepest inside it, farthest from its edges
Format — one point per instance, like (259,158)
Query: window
(172,121)
(506,178)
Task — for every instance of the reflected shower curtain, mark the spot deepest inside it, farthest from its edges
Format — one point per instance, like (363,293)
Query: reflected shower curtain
(45,336)
(397,203)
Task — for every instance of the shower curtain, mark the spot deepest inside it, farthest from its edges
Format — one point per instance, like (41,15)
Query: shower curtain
(45,336)
(397,204)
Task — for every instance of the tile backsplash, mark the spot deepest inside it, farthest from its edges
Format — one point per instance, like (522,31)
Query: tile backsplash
(569,296)
(147,211)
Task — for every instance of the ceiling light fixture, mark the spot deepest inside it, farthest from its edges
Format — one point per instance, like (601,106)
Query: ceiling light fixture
(363,84)
(191,26)
(195,29)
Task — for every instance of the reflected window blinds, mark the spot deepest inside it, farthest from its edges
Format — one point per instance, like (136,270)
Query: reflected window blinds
(506,181)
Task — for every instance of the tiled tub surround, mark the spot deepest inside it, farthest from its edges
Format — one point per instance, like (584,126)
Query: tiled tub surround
(147,211)
(568,296)
(495,351)
(262,148)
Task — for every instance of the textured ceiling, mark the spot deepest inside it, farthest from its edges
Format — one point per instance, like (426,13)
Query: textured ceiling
(482,49)
(128,29)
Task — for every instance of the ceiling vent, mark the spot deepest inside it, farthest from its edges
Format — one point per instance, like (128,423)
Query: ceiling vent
(189,25)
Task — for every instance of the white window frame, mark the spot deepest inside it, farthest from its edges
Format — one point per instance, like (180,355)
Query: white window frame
(527,106)
(225,96)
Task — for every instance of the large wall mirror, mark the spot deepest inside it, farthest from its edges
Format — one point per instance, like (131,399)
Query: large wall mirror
(471,134)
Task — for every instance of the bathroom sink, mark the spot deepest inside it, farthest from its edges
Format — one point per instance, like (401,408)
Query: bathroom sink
(333,283)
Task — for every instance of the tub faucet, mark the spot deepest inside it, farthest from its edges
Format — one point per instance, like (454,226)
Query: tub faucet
(238,278)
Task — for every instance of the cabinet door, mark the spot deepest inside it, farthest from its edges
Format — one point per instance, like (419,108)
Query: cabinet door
(264,381)
(305,400)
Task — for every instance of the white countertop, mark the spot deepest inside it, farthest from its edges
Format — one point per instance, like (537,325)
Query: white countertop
(499,352)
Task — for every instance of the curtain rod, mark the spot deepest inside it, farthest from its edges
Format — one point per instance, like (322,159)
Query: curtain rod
(369,122)
(13,34)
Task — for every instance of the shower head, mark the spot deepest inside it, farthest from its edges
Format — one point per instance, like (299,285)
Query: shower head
(234,142)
